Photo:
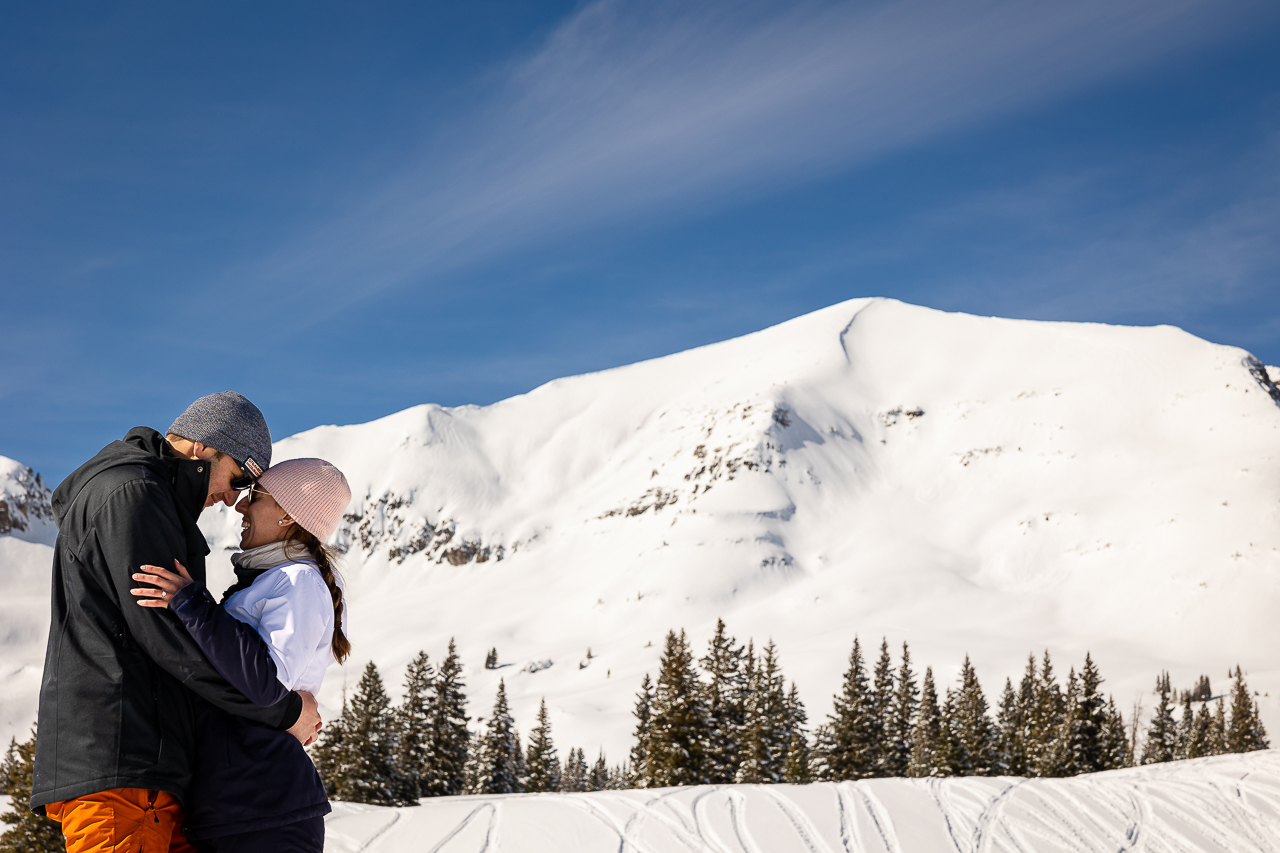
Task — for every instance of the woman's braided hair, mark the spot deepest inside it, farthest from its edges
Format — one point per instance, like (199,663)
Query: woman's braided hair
(324,561)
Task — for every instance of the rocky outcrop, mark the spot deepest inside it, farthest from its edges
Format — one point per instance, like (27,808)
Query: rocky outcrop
(24,501)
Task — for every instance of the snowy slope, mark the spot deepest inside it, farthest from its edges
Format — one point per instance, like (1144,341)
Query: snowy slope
(1227,803)
(26,534)
(966,484)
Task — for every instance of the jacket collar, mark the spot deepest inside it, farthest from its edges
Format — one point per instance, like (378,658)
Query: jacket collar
(189,477)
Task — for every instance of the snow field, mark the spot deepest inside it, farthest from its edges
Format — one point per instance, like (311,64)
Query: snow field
(1226,803)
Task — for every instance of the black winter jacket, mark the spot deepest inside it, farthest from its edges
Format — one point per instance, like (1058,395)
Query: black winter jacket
(115,711)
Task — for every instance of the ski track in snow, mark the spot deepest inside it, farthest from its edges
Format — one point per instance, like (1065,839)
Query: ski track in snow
(1227,803)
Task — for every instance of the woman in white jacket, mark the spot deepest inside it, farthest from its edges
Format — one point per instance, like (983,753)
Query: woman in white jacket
(279,627)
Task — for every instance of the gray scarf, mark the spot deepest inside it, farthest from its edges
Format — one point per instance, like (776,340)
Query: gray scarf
(252,563)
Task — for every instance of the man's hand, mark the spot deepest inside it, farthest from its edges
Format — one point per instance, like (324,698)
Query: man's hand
(308,726)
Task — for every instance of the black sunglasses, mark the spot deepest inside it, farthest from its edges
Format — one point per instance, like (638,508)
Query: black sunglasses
(244,481)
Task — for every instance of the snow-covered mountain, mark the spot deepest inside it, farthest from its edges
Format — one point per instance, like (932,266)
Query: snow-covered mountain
(965,484)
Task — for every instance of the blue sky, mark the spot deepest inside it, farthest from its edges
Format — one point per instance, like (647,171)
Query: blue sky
(343,211)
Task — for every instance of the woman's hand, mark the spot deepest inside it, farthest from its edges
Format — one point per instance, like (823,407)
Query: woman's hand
(167,581)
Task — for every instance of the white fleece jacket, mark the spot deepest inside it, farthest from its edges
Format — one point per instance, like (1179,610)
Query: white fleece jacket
(291,609)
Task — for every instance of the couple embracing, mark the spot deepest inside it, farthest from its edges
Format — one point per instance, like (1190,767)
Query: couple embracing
(169,720)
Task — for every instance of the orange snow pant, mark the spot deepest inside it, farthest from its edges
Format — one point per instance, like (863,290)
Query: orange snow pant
(122,820)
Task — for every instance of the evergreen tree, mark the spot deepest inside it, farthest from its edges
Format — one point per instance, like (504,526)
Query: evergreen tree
(1089,752)
(1161,732)
(882,696)
(491,659)
(725,692)
(851,752)
(574,777)
(600,778)
(1063,745)
(1198,738)
(1184,731)
(1045,722)
(370,745)
(499,760)
(449,739)
(820,755)
(970,729)
(331,755)
(767,725)
(413,722)
(28,832)
(542,765)
(1245,732)
(796,771)
(644,728)
(1115,743)
(1217,740)
(1010,755)
(679,731)
(927,743)
(901,725)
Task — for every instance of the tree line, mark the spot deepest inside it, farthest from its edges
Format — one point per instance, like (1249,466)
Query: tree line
(733,721)
(731,716)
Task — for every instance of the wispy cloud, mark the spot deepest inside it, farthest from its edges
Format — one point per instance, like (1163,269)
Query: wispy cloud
(633,109)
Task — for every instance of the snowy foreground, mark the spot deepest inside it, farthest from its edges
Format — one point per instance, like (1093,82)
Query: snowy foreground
(1228,803)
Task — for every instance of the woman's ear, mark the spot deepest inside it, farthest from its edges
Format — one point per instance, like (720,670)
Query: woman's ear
(285,520)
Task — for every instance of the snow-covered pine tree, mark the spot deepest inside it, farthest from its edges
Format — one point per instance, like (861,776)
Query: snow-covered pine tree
(1245,732)
(1202,692)
(1025,737)
(1010,756)
(1198,738)
(1114,739)
(28,832)
(725,691)
(475,759)
(330,754)
(850,753)
(446,764)
(491,659)
(1068,735)
(1183,731)
(679,727)
(971,727)
(882,695)
(902,717)
(820,754)
(1088,751)
(644,729)
(927,747)
(542,765)
(413,722)
(797,770)
(500,759)
(598,778)
(767,725)
(1045,719)
(1161,732)
(1217,742)
(371,746)
(573,778)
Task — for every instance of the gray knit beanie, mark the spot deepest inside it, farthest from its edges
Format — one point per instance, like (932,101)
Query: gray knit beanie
(227,421)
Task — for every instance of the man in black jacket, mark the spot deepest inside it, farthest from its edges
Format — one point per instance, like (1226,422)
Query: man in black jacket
(115,740)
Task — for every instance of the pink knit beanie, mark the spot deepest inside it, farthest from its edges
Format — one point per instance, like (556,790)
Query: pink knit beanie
(312,491)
